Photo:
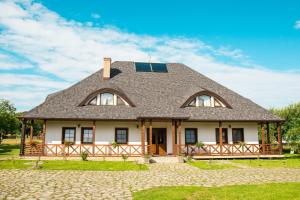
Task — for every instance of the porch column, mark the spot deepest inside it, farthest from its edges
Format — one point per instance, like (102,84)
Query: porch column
(263,137)
(279,137)
(150,138)
(173,138)
(221,138)
(44,137)
(268,133)
(22,145)
(143,137)
(31,131)
(179,136)
(94,135)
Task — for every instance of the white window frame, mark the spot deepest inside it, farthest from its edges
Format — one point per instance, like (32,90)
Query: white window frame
(212,101)
(115,97)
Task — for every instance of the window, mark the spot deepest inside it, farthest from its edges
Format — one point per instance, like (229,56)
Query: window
(237,135)
(190,136)
(121,135)
(107,99)
(224,136)
(69,135)
(205,101)
(86,135)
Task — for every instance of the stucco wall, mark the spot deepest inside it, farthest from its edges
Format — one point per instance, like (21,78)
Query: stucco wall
(207,135)
(105,131)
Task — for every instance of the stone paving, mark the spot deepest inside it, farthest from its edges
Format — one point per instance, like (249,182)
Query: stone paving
(38,184)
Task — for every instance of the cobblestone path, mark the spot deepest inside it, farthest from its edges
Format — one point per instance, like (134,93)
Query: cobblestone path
(39,184)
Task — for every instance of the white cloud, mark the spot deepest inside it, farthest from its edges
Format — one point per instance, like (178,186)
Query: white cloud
(95,16)
(70,51)
(297,25)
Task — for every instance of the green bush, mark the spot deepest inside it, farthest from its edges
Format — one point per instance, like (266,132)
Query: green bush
(84,155)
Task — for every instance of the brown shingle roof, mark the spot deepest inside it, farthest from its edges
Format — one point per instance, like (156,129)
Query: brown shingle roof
(155,95)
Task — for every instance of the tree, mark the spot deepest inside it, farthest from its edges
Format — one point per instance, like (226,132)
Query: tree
(9,123)
(291,124)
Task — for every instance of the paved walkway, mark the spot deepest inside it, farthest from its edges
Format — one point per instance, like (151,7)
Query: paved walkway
(37,184)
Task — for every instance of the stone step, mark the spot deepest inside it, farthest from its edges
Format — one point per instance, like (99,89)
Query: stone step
(166,159)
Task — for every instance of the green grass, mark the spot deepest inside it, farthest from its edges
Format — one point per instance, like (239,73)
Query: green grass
(271,191)
(292,162)
(73,165)
(210,165)
(9,150)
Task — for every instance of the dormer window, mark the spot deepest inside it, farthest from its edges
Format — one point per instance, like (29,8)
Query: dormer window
(205,101)
(107,99)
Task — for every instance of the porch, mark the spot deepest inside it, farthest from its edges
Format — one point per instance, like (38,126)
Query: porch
(154,140)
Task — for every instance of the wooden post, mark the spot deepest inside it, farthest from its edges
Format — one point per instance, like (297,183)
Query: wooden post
(22,146)
(94,136)
(268,133)
(44,137)
(221,138)
(179,136)
(173,138)
(279,137)
(150,138)
(31,131)
(263,137)
(143,137)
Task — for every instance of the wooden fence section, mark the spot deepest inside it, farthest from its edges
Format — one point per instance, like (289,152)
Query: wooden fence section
(76,149)
(230,149)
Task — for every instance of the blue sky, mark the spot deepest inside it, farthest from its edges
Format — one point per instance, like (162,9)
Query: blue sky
(262,29)
(251,47)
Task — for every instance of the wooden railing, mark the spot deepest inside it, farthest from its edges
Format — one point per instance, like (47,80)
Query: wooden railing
(76,149)
(229,149)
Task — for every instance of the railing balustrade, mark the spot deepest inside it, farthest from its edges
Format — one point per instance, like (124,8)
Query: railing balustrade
(77,149)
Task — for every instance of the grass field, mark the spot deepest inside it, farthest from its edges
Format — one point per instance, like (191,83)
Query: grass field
(9,148)
(73,165)
(292,162)
(210,165)
(271,191)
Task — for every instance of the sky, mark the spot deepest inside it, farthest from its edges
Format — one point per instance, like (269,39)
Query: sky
(251,47)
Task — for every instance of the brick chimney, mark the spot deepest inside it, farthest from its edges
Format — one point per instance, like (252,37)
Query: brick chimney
(106,68)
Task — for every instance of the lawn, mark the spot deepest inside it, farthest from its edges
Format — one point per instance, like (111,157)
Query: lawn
(73,165)
(211,165)
(291,162)
(9,148)
(246,192)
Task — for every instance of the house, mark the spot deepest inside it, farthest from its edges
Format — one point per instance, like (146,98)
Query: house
(136,108)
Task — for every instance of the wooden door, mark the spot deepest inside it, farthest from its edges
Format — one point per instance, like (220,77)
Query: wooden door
(159,141)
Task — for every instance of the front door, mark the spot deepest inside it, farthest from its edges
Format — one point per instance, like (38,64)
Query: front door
(159,141)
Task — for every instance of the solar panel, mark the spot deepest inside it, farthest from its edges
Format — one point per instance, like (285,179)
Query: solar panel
(150,67)
(142,67)
(159,67)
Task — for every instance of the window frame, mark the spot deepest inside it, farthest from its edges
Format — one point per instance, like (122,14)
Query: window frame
(115,98)
(243,135)
(63,134)
(217,135)
(116,132)
(82,135)
(196,135)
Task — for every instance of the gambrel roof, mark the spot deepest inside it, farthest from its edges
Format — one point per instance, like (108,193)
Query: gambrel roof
(152,94)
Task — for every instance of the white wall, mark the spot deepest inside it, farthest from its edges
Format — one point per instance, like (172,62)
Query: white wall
(207,135)
(105,131)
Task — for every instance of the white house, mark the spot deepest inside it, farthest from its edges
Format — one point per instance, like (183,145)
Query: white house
(161,109)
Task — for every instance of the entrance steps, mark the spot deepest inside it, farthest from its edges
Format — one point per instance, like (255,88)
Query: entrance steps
(166,159)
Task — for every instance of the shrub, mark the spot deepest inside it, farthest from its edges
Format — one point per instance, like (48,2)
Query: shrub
(124,157)
(84,155)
